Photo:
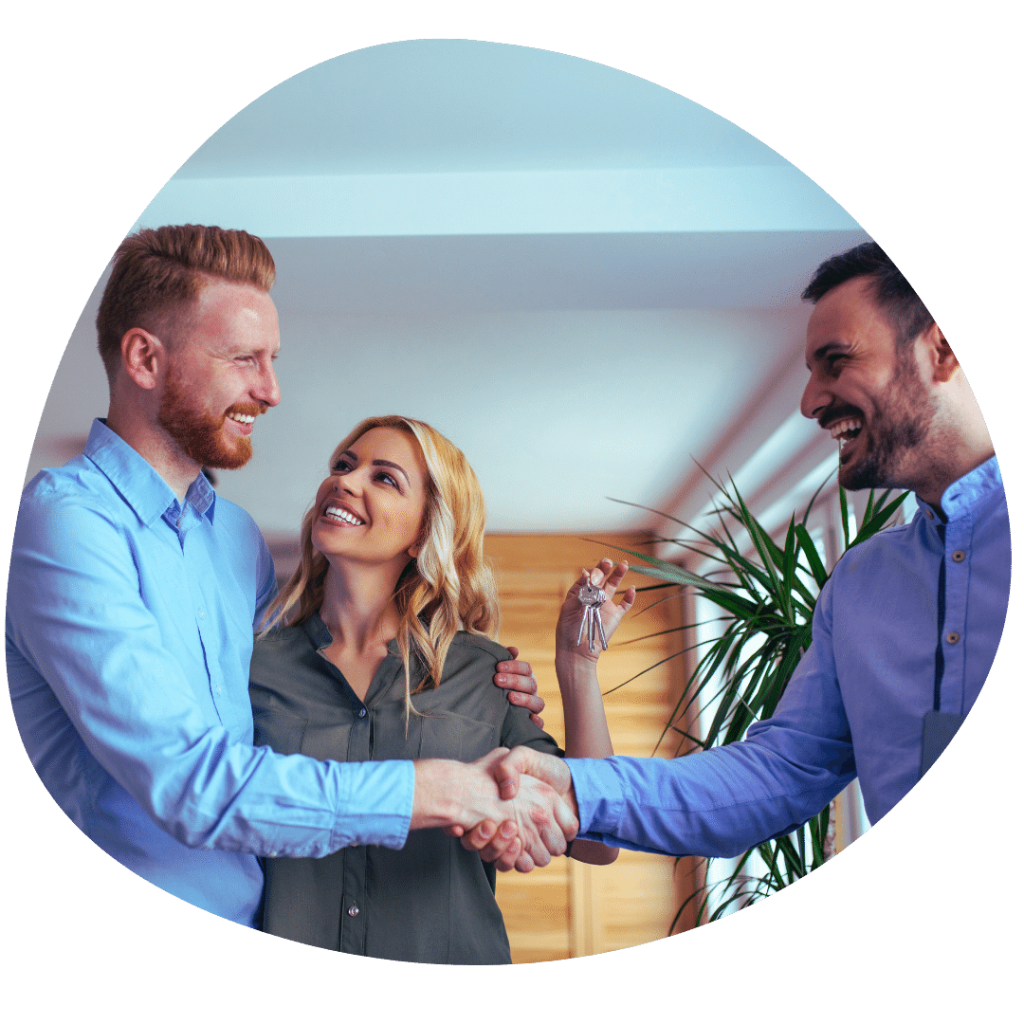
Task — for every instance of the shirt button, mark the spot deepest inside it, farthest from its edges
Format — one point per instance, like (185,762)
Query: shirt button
(202,614)
(958,556)
(952,637)
(362,712)
(353,911)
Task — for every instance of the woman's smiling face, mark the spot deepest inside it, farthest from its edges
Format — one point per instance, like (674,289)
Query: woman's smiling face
(370,509)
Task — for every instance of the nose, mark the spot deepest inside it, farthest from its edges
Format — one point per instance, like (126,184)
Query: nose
(351,483)
(267,390)
(814,398)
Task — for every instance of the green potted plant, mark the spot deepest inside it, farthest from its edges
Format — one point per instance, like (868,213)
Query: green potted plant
(765,590)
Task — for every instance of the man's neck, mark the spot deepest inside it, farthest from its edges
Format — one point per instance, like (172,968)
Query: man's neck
(958,443)
(933,491)
(159,450)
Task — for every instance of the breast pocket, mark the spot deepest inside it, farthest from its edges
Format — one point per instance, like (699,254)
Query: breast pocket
(435,732)
(456,737)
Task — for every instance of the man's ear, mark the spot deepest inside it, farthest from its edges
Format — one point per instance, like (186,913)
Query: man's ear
(942,360)
(143,357)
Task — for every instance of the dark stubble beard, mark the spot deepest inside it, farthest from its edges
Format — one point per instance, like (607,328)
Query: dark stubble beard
(198,432)
(899,434)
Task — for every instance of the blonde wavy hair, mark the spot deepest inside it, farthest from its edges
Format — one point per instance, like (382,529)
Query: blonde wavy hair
(448,587)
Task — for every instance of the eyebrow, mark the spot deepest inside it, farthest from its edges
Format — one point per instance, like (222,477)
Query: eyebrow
(392,465)
(379,462)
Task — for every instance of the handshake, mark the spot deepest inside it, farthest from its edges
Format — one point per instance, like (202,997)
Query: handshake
(516,808)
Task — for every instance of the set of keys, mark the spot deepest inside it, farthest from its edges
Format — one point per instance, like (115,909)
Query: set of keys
(592,598)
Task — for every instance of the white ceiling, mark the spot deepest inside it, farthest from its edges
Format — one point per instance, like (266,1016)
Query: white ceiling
(585,280)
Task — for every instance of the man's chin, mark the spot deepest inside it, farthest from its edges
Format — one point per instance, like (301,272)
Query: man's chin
(854,476)
(231,459)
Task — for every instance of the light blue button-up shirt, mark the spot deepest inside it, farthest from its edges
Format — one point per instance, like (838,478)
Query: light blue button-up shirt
(130,622)
(908,623)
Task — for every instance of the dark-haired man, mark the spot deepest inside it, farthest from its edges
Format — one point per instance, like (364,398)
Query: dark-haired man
(134,591)
(904,632)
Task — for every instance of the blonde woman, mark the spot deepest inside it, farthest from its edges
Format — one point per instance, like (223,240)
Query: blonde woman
(387,653)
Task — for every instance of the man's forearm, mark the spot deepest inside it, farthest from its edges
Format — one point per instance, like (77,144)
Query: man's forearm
(451,793)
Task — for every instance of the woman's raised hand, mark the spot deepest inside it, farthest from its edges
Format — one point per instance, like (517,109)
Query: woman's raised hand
(571,626)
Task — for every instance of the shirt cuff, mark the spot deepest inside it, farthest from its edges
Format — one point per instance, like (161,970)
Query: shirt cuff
(378,810)
(599,796)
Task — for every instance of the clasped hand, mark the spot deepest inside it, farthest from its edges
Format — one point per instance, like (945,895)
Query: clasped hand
(537,823)
(518,773)
(530,782)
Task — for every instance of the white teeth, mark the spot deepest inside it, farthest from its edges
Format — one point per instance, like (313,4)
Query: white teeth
(333,512)
(849,426)
(240,418)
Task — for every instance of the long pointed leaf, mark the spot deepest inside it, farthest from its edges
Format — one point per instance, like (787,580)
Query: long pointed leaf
(814,496)
(818,570)
(845,517)
(765,589)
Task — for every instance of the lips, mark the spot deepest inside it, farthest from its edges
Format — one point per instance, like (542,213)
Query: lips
(244,414)
(845,426)
(842,424)
(242,426)
(846,429)
(341,514)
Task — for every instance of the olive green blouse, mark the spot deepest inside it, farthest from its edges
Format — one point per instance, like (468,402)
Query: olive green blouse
(432,901)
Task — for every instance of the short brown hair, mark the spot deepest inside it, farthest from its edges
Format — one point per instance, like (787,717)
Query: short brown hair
(157,270)
(906,313)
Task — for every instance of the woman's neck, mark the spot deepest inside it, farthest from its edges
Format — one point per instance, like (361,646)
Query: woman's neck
(358,606)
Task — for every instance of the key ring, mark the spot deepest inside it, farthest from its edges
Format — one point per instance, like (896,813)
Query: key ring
(592,598)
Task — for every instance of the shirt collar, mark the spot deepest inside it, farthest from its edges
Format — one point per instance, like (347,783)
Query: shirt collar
(141,486)
(964,495)
(320,636)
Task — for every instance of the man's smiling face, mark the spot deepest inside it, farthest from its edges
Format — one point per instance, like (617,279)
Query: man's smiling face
(869,392)
(221,375)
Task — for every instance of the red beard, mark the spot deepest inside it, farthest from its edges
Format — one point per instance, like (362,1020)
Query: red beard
(199,433)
